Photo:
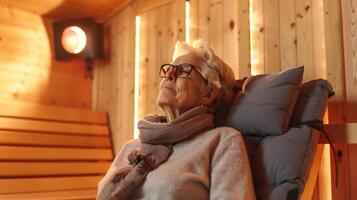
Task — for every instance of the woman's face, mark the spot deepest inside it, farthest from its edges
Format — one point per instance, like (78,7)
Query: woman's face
(179,93)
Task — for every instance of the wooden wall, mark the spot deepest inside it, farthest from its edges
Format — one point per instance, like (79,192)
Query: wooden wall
(28,72)
(287,33)
(349,84)
(113,85)
(224,24)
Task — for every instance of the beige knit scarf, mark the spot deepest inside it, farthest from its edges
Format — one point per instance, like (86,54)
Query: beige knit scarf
(157,138)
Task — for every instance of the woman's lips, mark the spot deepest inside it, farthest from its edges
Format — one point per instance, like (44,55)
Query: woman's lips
(169,88)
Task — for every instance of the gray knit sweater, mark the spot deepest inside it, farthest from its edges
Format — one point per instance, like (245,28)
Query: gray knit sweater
(210,165)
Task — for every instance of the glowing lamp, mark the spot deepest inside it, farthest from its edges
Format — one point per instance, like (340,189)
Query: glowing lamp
(78,39)
(73,39)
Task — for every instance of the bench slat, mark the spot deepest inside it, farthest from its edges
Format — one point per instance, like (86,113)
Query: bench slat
(51,152)
(21,185)
(45,153)
(56,113)
(22,169)
(58,195)
(43,139)
(56,127)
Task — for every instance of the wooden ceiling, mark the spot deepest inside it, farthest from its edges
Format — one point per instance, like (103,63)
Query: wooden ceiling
(101,10)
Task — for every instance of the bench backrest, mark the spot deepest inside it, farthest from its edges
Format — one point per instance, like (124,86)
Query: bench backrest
(52,149)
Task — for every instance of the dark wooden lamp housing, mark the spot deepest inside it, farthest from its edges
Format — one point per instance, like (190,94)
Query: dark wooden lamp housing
(78,39)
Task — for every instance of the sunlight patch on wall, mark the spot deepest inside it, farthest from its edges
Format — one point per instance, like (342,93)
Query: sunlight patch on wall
(137,75)
(187,21)
(252,29)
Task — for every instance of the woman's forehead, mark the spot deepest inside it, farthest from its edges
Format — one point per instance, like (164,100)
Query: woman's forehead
(190,58)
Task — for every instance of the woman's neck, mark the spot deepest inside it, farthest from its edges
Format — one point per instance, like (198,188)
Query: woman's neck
(170,113)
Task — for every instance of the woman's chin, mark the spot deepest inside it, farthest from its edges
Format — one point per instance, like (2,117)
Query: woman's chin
(162,101)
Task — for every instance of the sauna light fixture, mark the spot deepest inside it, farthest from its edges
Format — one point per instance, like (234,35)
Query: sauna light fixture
(80,38)
(73,39)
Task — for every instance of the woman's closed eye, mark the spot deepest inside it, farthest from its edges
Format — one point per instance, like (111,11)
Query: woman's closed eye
(185,70)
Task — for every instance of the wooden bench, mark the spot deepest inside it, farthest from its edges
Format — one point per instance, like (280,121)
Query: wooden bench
(49,152)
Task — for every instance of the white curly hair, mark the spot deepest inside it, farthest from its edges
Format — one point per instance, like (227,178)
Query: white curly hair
(218,73)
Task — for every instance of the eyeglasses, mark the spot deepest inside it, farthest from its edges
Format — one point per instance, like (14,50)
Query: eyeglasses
(182,70)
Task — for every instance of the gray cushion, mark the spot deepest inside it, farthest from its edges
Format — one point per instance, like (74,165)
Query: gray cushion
(266,102)
(281,163)
(312,102)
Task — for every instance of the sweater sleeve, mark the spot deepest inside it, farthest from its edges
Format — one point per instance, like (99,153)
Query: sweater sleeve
(230,171)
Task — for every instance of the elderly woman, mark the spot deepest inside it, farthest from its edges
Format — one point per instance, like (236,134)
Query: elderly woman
(182,155)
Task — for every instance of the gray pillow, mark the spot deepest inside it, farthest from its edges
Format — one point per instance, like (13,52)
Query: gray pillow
(312,102)
(280,164)
(266,102)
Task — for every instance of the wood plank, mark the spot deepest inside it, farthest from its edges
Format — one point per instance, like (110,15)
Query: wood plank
(60,113)
(45,153)
(194,9)
(257,41)
(349,19)
(32,169)
(229,38)
(318,37)
(121,5)
(59,79)
(45,99)
(13,40)
(288,40)
(18,18)
(244,63)
(312,177)
(336,105)
(144,65)
(349,25)
(62,98)
(57,195)
(42,139)
(304,38)
(11,30)
(36,6)
(272,36)
(55,127)
(22,185)
(204,20)
(216,27)
(20,87)
(154,51)
(342,133)
(68,68)
(147,5)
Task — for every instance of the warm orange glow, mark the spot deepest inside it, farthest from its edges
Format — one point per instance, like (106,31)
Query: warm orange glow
(253,61)
(187,20)
(254,21)
(73,39)
(137,75)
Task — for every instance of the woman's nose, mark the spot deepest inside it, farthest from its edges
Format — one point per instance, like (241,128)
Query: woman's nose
(171,74)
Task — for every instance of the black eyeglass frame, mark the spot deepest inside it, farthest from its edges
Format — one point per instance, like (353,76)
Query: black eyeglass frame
(163,75)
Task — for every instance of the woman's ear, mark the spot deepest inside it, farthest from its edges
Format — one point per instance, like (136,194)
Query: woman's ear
(209,95)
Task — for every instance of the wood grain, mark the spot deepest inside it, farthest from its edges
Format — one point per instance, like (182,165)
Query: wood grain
(48,184)
(82,194)
(31,169)
(114,77)
(28,72)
